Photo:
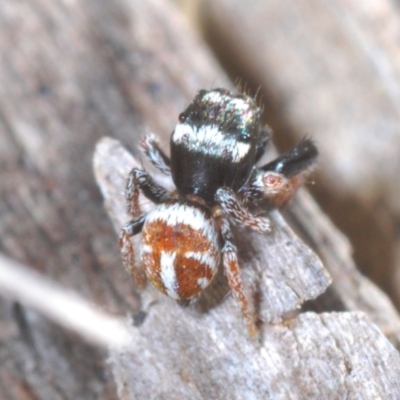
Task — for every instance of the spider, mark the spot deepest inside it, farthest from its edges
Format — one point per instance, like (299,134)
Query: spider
(214,150)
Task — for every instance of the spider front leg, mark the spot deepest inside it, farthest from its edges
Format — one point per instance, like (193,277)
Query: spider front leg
(279,180)
(232,272)
(150,146)
(129,230)
(234,210)
(138,181)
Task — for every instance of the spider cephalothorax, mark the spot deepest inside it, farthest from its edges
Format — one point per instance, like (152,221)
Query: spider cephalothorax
(214,151)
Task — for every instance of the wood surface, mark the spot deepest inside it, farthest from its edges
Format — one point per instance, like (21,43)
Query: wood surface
(74,72)
(206,352)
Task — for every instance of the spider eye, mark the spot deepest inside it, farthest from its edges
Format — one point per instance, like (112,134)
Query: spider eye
(244,135)
(182,117)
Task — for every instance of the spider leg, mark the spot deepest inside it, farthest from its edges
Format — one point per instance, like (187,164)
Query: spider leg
(278,180)
(140,180)
(232,272)
(234,210)
(150,146)
(301,158)
(129,230)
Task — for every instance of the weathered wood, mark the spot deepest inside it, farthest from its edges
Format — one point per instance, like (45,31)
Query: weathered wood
(330,70)
(310,356)
(166,331)
(350,291)
(70,73)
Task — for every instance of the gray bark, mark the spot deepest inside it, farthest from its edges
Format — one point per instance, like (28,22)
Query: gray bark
(73,72)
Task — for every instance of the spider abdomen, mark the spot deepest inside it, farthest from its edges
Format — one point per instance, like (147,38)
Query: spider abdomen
(180,249)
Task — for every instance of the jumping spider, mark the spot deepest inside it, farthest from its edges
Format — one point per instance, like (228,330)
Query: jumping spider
(214,151)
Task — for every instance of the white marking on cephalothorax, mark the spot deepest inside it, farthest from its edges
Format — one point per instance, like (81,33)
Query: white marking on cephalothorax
(182,131)
(204,258)
(168,275)
(236,103)
(176,213)
(215,97)
(240,104)
(210,140)
(203,282)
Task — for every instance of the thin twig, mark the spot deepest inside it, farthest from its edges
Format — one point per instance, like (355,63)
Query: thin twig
(62,306)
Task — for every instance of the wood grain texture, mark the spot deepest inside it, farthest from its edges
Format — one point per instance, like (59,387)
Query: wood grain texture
(332,356)
(71,73)
(205,352)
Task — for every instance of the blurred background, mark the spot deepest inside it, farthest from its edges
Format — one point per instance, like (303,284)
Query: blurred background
(72,72)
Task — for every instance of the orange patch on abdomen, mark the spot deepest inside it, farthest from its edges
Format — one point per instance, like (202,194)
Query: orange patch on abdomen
(179,259)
